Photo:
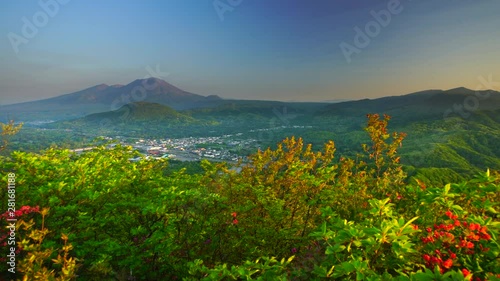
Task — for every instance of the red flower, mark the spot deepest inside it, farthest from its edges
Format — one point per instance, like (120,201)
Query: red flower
(465,272)
(449,237)
(449,214)
(456,223)
(426,257)
(484,230)
(233,214)
(448,263)
(235,221)
(486,236)
(474,226)
(461,244)
(473,237)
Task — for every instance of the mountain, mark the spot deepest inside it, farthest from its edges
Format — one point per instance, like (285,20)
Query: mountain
(430,105)
(103,98)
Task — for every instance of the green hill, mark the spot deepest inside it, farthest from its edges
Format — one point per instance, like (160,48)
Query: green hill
(141,112)
(139,118)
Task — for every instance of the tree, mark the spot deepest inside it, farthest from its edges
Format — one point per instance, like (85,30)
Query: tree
(8,129)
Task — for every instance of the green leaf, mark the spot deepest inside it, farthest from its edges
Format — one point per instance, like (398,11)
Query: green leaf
(447,188)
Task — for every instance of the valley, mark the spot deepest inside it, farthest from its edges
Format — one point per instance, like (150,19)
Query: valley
(441,143)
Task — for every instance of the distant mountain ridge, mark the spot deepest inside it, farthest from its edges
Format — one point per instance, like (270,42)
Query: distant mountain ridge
(431,103)
(103,97)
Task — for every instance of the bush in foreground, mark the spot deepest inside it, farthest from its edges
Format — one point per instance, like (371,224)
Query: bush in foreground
(288,214)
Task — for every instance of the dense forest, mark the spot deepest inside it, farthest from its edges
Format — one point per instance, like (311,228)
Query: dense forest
(291,213)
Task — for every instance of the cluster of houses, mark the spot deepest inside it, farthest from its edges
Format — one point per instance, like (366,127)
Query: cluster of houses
(185,149)
(192,149)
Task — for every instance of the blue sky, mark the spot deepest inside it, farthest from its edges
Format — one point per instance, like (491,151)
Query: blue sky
(259,49)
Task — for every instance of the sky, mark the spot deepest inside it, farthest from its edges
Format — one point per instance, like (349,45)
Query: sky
(290,50)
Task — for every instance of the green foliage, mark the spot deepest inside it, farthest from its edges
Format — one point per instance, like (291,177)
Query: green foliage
(8,129)
(380,245)
(33,265)
(279,189)
(33,257)
(290,213)
(267,269)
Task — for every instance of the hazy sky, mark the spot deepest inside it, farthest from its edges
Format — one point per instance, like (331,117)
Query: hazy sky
(252,49)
